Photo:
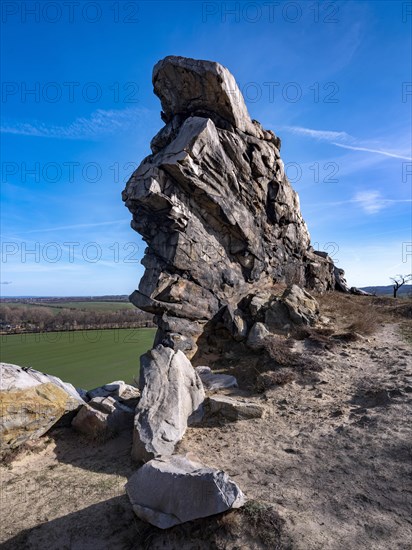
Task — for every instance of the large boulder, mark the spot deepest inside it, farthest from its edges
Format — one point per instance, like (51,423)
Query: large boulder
(171,392)
(169,491)
(31,403)
(186,85)
(215,208)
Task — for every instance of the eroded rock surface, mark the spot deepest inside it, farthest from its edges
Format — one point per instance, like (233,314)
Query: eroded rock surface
(171,392)
(216,209)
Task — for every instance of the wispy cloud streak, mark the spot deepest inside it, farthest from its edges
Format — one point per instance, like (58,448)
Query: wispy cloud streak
(371,202)
(345,141)
(369,150)
(77,226)
(100,123)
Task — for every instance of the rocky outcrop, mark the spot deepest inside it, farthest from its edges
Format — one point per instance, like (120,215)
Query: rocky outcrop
(216,209)
(171,392)
(169,491)
(31,403)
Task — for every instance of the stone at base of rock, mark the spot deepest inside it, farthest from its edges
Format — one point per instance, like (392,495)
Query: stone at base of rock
(170,491)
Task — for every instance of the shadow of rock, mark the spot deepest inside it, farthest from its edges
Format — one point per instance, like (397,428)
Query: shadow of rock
(108,524)
(111,524)
(111,456)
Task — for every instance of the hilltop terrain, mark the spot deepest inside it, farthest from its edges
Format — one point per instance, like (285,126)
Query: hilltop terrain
(326,466)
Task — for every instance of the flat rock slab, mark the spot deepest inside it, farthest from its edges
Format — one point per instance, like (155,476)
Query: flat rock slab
(186,85)
(169,491)
(171,392)
(215,382)
(229,408)
(119,390)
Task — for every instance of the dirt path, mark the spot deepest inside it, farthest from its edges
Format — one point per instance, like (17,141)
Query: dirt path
(333,456)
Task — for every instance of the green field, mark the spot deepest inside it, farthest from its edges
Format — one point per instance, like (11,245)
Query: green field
(87,306)
(87,358)
(95,306)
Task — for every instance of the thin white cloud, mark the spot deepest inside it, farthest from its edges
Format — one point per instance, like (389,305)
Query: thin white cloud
(76,226)
(327,135)
(344,140)
(378,151)
(99,123)
(371,202)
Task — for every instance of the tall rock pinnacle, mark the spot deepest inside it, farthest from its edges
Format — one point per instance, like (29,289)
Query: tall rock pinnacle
(215,207)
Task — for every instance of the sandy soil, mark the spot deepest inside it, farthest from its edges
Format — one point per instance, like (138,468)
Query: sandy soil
(332,455)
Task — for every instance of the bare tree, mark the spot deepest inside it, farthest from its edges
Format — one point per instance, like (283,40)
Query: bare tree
(399,281)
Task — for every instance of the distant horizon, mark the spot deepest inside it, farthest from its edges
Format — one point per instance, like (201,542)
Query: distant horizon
(3,297)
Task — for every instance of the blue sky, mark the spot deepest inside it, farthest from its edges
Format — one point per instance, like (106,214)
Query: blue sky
(332,79)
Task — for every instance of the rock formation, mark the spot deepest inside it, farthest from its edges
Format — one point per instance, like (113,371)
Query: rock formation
(215,207)
(173,490)
(31,403)
(171,392)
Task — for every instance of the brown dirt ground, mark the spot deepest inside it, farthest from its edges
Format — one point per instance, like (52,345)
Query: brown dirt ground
(327,467)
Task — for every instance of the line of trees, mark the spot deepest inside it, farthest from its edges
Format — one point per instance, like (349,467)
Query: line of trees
(35,319)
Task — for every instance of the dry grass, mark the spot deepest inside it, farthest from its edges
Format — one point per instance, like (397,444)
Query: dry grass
(279,355)
(29,447)
(351,318)
(267,524)
(255,525)
(352,313)
(271,379)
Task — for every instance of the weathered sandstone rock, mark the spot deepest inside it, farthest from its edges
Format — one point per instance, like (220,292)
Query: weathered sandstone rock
(296,307)
(225,407)
(31,403)
(302,307)
(102,417)
(216,209)
(171,392)
(173,490)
